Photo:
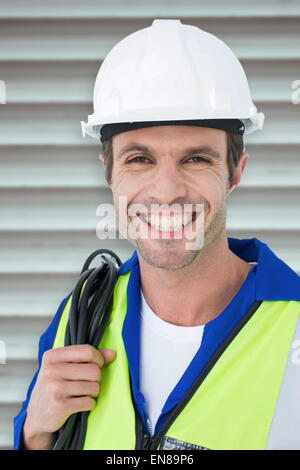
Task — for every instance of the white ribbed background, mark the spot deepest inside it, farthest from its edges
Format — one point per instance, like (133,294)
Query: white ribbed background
(51,180)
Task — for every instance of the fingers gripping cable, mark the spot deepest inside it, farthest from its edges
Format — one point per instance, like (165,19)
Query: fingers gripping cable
(91,303)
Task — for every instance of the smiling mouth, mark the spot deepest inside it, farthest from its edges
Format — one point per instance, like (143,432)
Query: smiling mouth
(166,222)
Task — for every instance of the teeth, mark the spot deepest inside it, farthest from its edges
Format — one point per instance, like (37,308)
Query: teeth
(154,220)
(165,223)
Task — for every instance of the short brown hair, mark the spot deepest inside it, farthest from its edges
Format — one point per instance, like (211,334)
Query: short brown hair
(235,148)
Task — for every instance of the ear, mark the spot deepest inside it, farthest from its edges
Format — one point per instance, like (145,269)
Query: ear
(239,171)
(101,158)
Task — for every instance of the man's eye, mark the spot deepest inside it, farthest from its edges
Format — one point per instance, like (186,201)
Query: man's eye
(198,159)
(138,159)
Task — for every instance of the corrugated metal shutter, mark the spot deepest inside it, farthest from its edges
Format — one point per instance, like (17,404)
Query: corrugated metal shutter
(51,180)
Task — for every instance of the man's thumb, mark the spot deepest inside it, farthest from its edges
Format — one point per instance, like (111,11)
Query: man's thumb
(108,355)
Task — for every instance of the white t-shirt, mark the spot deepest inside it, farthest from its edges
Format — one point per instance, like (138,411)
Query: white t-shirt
(166,352)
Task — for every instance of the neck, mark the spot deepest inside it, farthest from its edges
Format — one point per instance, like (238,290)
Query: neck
(203,289)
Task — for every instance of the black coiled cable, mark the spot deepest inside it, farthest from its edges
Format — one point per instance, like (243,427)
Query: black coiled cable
(88,316)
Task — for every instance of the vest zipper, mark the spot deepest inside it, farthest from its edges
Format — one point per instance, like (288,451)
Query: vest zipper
(147,439)
(152,443)
(149,429)
(143,438)
(147,442)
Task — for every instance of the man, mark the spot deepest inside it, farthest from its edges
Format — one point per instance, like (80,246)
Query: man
(201,349)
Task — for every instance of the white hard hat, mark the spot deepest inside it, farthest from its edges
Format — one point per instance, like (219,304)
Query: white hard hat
(171,72)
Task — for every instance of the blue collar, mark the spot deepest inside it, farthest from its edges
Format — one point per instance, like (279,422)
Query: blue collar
(275,280)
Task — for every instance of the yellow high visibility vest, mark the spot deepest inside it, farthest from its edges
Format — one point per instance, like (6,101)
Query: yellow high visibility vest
(247,397)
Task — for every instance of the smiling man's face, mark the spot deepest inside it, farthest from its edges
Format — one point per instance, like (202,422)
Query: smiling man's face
(168,174)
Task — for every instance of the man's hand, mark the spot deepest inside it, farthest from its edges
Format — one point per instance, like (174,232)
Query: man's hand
(68,382)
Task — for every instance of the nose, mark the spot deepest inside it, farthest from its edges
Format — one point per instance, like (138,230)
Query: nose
(167,183)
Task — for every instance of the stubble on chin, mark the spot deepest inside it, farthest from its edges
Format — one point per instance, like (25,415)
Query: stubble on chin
(168,257)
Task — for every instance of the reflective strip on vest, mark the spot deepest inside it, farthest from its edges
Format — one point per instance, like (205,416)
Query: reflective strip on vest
(286,419)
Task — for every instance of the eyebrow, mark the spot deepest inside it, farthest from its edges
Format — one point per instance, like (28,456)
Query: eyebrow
(207,150)
(133,147)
